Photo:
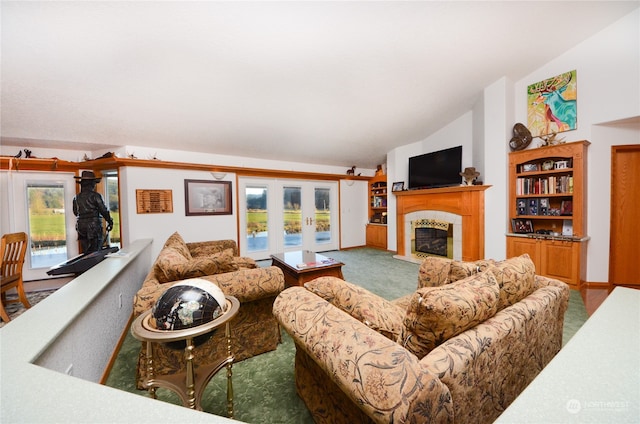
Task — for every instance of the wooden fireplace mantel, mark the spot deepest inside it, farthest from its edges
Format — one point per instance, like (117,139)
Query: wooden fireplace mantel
(466,201)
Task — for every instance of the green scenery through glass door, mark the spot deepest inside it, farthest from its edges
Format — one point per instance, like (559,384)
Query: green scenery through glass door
(47,231)
(305,211)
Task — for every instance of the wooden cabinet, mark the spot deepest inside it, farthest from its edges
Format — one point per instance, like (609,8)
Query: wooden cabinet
(560,259)
(377,227)
(548,209)
(377,236)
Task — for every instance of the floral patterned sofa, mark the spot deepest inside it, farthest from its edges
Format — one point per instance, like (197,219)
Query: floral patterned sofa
(459,349)
(255,329)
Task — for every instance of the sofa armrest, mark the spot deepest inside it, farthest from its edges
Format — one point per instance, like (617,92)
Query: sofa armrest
(208,248)
(379,376)
(374,311)
(541,281)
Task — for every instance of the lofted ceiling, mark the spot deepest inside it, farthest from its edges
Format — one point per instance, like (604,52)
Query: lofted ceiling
(337,83)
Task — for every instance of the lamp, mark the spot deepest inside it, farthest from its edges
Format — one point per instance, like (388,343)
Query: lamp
(218,175)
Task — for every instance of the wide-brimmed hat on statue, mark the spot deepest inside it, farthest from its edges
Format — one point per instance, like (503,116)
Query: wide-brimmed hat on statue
(87,176)
(470,173)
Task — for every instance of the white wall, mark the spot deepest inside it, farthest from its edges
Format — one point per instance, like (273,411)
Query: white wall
(608,69)
(159,226)
(498,119)
(354,200)
(40,152)
(458,132)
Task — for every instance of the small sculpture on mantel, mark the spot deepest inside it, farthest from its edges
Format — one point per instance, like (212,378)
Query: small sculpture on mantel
(352,171)
(470,174)
(550,140)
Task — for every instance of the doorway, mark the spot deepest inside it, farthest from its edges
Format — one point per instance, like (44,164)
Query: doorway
(625,216)
(285,215)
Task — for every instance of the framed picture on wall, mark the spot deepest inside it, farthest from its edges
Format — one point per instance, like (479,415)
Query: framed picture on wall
(204,197)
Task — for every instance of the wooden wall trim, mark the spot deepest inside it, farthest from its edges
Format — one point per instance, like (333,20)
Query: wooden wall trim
(52,164)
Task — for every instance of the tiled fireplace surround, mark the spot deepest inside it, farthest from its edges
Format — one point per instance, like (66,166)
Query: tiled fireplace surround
(461,206)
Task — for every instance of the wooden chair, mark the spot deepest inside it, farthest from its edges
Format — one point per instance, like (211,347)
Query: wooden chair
(13,249)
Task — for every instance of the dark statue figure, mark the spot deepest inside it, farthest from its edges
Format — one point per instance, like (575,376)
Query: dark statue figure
(89,209)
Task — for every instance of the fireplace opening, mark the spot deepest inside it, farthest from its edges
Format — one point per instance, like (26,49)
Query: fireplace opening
(432,238)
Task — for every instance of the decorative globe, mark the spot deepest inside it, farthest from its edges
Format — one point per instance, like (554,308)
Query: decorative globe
(188,304)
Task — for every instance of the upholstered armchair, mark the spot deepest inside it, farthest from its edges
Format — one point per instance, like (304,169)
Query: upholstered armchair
(254,329)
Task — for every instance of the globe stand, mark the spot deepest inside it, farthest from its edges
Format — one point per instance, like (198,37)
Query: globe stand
(189,385)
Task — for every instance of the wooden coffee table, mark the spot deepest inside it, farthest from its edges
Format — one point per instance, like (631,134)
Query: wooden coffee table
(304,265)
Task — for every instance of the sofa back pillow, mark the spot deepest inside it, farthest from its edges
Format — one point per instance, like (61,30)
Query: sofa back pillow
(176,241)
(172,266)
(434,272)
(436,314)
(516,277)
(167,263)
(459,270)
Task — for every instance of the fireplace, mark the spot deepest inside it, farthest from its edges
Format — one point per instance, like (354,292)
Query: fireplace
(462,208)
(431,237)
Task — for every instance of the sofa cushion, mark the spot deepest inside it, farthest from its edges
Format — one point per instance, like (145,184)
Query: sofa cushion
(433,272)
(516,278)
(171,265)
(372,310)
(436,314)
(459,270)
(176,241)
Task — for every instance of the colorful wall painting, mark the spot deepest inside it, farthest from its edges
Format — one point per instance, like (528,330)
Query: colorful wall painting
(551,105)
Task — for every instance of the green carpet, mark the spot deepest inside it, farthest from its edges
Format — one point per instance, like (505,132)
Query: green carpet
(264,390)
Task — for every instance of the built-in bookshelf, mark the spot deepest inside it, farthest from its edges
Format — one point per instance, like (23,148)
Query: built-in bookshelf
(547,209)
(377,226)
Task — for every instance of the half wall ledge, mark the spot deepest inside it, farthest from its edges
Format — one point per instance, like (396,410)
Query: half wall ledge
(70,332)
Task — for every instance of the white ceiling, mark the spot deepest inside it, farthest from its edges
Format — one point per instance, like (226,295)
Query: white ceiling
(338,83)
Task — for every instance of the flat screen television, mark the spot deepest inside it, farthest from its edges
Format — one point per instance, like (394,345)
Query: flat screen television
(436,169)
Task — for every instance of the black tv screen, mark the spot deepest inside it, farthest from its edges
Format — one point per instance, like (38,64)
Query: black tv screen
(436,169)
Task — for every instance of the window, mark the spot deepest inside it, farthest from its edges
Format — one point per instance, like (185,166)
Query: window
(47,230)
(111,196)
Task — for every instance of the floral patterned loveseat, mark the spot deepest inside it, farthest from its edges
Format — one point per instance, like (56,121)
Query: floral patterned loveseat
(459,349)
(255,329)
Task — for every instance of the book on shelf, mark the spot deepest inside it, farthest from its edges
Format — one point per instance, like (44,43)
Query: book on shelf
(544,185)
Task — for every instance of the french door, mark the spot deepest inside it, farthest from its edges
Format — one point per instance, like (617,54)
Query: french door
(40,204)
(285,215)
